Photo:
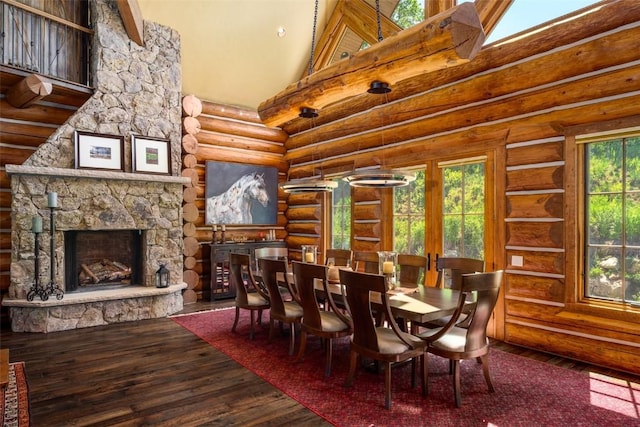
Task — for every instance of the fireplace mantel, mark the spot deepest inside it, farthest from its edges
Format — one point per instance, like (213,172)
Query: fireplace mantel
(91,173)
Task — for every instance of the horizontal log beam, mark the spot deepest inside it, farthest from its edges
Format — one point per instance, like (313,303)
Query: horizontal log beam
(29,90)
(232,127)
(446,40)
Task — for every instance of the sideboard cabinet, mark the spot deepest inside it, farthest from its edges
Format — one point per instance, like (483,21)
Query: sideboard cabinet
(221,286)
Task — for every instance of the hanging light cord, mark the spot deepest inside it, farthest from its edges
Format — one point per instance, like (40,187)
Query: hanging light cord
(380,38)
(313,37)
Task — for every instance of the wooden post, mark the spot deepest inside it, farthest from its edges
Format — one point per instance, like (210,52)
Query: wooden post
(29,90)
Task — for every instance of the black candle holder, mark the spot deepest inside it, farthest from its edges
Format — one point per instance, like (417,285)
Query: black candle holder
(53,288)
(35,288)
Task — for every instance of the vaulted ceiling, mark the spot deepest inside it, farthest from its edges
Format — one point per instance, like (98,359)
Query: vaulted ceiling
(232,53)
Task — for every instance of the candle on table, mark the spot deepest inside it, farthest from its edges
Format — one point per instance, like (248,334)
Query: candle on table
(387,267)
(52,199)
(308,257)
(215,228)
(224,227)
(36,224)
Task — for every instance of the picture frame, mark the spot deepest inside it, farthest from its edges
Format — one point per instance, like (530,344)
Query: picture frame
(99,151)
(240,194)
(150,155)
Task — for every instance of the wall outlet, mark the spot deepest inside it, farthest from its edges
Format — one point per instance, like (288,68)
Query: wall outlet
(517,260)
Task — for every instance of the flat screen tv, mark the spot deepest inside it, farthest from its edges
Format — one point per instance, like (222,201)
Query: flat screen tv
(241,194)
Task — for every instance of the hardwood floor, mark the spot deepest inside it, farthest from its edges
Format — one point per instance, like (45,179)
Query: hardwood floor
(156,373)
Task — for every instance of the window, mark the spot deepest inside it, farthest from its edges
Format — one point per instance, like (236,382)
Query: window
(341,216)
(409,217)
(612,219)
(463,201)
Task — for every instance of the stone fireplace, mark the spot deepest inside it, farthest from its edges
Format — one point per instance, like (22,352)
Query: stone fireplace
(132,221)
(137,91)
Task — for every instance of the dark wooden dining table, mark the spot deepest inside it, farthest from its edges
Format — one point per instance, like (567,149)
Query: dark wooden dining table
(419,304)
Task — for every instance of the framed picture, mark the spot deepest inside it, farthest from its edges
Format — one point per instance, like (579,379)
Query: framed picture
(150,155)
(241,194)
(99,151)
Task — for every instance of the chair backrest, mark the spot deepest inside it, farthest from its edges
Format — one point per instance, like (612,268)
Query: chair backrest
(270,268)
(412,269)
(241,276)
(305,275)
(366,262)
(340,257)
(487,288)
(451,269)
(358,287)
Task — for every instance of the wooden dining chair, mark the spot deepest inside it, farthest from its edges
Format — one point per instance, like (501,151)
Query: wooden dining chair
(289,312)
(339,257)
(450,272)
(456,343)
(316,320)
(366,261)
(412,270)
(249,294)
(387,345)
(451,269)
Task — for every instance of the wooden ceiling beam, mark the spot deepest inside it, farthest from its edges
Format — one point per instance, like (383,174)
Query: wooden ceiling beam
(434,7)
(446,40)
(329,40)
(132,20)
(490,12)
(362,19)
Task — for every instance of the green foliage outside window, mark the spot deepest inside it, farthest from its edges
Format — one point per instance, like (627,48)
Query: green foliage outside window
(613,219)
(409,217)
(341,216)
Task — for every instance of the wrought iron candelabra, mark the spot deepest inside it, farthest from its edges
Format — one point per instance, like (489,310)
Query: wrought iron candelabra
(51,288)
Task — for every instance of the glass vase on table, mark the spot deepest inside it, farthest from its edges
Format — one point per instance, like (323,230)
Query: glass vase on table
(387,266)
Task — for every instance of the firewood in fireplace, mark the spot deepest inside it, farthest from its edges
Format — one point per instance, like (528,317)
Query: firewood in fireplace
(104,271)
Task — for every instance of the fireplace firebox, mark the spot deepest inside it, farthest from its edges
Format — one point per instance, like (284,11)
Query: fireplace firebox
(103,258)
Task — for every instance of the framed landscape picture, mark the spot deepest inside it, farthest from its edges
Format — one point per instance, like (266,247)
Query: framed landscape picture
(150,155)
(99,151)
(241,194)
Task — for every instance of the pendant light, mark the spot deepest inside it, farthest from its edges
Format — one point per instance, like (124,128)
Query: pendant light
(379,178)
(307,185)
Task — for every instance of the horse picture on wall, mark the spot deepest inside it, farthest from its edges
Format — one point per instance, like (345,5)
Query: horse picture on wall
(241,194)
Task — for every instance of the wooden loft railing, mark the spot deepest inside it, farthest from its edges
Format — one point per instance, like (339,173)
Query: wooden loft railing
(39,41)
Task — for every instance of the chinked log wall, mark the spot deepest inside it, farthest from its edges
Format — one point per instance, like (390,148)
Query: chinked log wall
(524,98)
(226,134)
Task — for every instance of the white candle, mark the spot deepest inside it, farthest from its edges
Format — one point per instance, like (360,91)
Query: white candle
(308,257)
(52,199)
(387,267)
(215,228)
(36,224)
(223,227)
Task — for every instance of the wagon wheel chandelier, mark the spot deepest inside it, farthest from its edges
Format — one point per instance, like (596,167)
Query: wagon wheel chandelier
(306,185)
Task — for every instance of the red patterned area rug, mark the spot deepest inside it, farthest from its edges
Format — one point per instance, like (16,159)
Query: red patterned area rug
(528,392)
(14,398)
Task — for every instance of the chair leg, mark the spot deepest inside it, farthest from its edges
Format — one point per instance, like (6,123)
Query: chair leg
(413,372)
(485,368)
(423,366)
(353,361)
(303,345)
(328,357)
(235,322)
(456,383)
(387,385)
(292,339)
(260,317)
(251,328)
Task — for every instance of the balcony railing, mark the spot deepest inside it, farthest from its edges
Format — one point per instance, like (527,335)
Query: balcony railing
(43,43)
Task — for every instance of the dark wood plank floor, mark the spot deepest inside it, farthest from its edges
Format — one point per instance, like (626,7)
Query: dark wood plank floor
(155,373)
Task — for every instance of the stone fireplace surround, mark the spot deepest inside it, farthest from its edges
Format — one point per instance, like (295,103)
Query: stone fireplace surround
(94,200)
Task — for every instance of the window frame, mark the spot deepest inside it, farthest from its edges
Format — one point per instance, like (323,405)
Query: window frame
(577,304)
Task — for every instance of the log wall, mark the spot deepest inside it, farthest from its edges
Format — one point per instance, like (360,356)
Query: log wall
(522,100)
(227,134)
